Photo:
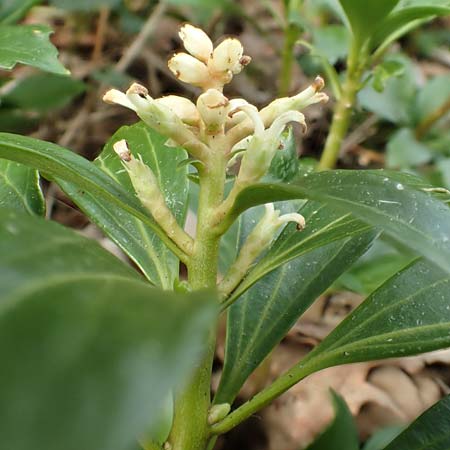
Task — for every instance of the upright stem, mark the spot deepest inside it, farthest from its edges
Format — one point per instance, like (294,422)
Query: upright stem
(190,429)
(291,34)
(344,106)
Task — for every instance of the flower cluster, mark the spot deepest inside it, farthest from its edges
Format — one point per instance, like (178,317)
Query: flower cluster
(216,126)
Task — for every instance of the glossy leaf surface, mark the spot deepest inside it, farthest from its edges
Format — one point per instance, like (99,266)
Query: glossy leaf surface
(56,162)
(135,238)
(89,351)
(431,431)
(261,317)
(20,189)
(28,44)
(342,431)
(392,202)
(409,314)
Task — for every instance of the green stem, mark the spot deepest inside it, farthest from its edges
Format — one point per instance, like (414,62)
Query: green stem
(291,35)
(266,396)
(190,429)
(344,107)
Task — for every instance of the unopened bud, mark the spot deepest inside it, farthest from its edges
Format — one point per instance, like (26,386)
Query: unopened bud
(182,107)
(121,148)
(196,42)
(218,412)
(213,107)
(228,55)
(189,69)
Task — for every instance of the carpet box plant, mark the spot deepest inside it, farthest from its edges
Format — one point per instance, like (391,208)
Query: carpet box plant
(100,356)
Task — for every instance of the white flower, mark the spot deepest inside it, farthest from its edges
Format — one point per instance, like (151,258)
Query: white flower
(229,55)
(272,220)
(196,42)
(213,107)
(264,144)
(189,69)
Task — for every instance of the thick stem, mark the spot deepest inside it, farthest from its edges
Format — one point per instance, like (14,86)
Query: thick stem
(190,429)
(343,109)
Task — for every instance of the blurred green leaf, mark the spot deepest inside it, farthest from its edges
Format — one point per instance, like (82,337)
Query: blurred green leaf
(84,5)
(431,97)
(13,10)
(381,438)
(342,431)
(44,92)
(384,71)
(28,44)
(365,16)
(135,238)
(444,168)
(20,189)
(396,102)
(88,350)
(430,431)
(405,151)
(332,42)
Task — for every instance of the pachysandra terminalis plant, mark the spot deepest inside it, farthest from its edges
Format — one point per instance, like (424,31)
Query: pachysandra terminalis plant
(117,360)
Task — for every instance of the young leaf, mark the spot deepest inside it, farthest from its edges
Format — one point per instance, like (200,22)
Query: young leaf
(28,44)
(264,314)
(88,350)
(400,21)
(392,202)
(365,16)
(135,238)
(20,189)
(341,432)
(430,431)
(59,163)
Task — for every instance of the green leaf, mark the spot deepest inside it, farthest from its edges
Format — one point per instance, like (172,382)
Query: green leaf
(405,151)
(88,350)
(391,28)
(396,102)
(384,71)
(43,92)
(261,317)
(135,238)
(332,42)
(431,431)
(381,438)
(409,314)
(391,201)
(13,10)
(28,44)
(342,431)
(59,163)
(365,16)
(432,96)
(84,5)
(20,188)
(379,264)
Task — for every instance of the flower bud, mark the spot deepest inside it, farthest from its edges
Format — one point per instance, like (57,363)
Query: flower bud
(189,69)
(307,97)
(196,42)
(213,107)
(218,412)
(182,107)
(263,145)
(236,115)
(229,55)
